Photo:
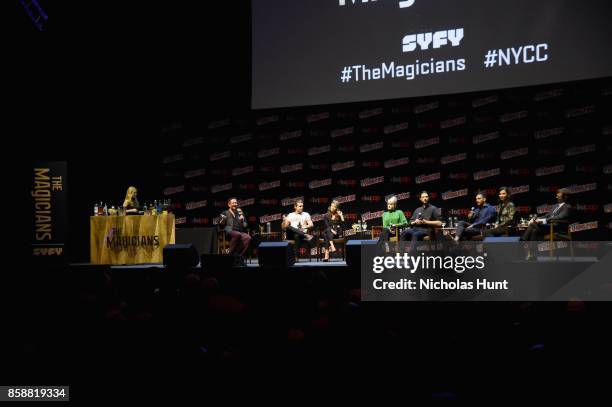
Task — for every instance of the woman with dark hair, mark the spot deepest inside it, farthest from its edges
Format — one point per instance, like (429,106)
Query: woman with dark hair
(505,214)
(333,228)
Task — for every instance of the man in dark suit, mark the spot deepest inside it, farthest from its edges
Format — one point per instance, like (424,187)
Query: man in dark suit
(235,225)
(561,211)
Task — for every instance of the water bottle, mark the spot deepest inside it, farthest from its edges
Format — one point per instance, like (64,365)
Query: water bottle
(450,222)
(105,210)
(268,227)
(96,209)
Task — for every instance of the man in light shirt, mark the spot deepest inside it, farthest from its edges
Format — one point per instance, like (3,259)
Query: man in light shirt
(296,225)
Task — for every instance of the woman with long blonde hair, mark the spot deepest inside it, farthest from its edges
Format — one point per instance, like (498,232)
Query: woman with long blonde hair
(130,203)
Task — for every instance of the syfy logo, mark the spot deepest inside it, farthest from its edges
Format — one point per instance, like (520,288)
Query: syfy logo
(288,135)
(366,182)
(268,153)
(400,180)
(446,124)
(426,107)
(371,147)
(174,190)
(371,215)
(291,168)
(579,227)
(586,168)
(173,158)
(342,166)
(425,125)
(459,176)
(397,162)
(291,201)
(364,114)
(193,141)
(421,179)
(218,123)
(548,188)
(243,170)
(266,119)
(485,101)
(200,221)
(264,186)
(544,208)
(220,187)
(555,169)
(220,171)
(524,208)
(342,132)
(195,205)
(317,117)
(486,156)
(241,139)
(268,201)
(549,94)
(579,111)
(198,188)
(267,168)
(574,189)
(587,207)
(589,148)
(371,164)
(181,221)
(319,200)
(448,159)
(319,150)
(426,142)
(402,3)
(247,187)
(319,166)
(319,183)
(317,217)
(394,128)
(519,190)
(478,175)
(540,134)
(427,160)
(459,212)
(221,155)
(296,184)
(345,199)
(371,198)
(347,182)
(370,130)
(457,140)
(506,155)
(194,173)
(436,39)
(400,144)
(481,138)
(270,218)
(508,117)
(523,172)
(246,202)
(454,194)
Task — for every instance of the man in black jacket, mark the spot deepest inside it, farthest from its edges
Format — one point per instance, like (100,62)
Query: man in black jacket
(561,211)
(235,228)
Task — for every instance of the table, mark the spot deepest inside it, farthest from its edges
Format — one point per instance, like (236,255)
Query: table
(133,239)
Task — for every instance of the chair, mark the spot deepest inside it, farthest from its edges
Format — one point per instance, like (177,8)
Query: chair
(558,235)
(292,243)
(222,243)
(377,230)
(337,241)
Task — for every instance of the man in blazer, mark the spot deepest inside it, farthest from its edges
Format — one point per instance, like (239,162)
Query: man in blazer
(561,211)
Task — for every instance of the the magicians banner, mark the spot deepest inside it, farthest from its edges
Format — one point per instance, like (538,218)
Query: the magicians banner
(49,211)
